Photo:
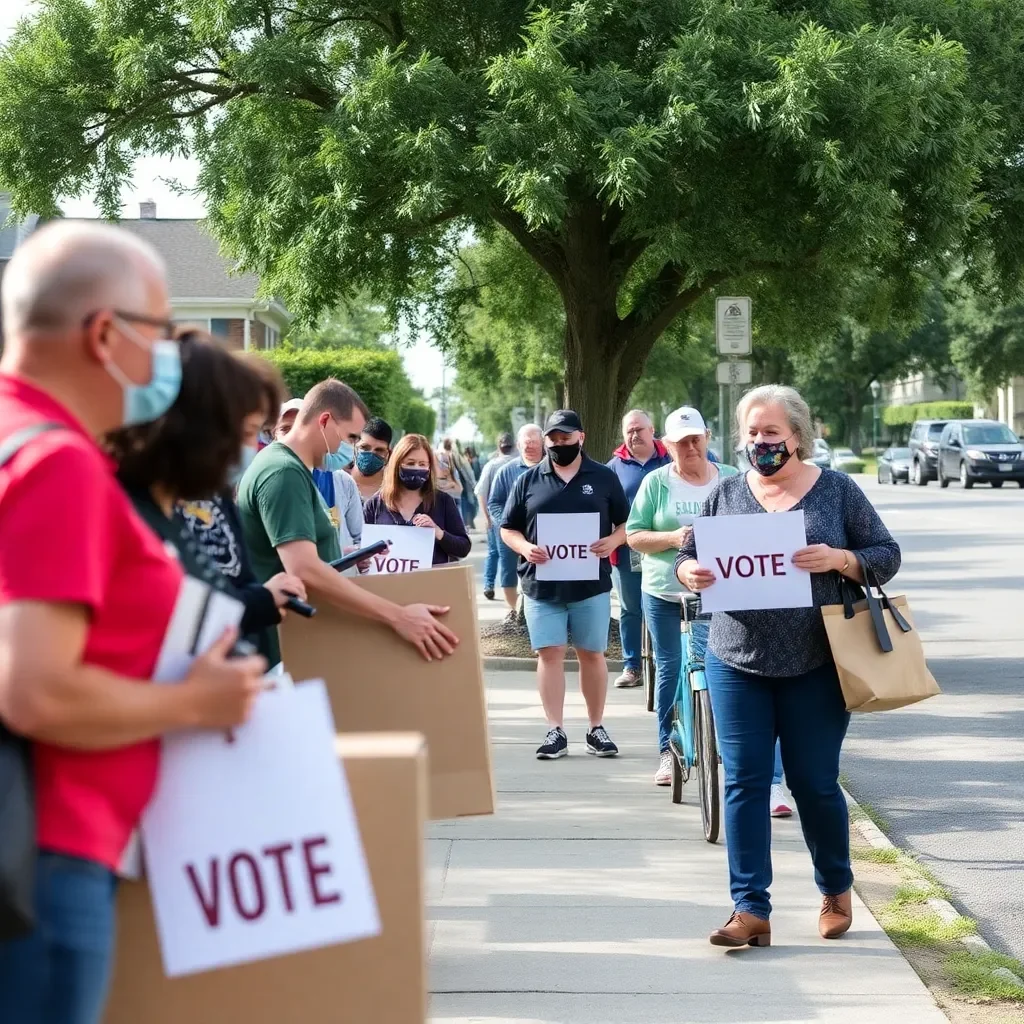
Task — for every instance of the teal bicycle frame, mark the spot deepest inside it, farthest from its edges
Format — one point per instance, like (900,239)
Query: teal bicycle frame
(691,680)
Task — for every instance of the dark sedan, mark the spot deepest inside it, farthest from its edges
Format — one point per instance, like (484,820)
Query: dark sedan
(894,466)
(980,451)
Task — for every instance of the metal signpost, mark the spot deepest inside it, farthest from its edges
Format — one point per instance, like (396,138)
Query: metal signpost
(732,340)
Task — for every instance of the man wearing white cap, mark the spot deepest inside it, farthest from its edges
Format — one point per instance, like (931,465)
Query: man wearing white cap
(289,411)
(661,518)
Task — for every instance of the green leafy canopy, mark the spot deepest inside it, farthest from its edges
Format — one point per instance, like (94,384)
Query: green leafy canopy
(641,154)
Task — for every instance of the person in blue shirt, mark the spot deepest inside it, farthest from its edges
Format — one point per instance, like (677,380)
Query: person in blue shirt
(531,452)
(639,454)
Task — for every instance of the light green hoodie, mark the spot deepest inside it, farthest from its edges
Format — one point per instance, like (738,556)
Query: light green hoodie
(664,503)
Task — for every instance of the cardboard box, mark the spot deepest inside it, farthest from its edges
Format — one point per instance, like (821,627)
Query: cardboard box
(376,981)
(379,683)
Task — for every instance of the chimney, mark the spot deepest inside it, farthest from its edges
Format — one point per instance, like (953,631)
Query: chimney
(147,210)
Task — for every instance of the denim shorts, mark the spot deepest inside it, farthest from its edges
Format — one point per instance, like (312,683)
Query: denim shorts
(551,622)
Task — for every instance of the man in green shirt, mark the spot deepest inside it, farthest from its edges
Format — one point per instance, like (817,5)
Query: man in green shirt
(287,527)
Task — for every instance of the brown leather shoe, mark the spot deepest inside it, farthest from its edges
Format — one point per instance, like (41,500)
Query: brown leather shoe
(836,915)
(743,930)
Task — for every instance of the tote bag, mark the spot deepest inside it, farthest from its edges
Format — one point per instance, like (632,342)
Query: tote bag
(877,650)
(17,805)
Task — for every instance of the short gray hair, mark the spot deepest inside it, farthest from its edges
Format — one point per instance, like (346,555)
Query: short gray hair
(639,412)
(798,414)
(528,428)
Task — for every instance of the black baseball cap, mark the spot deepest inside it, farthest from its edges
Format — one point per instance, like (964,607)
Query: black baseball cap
(506,441)
(564,420)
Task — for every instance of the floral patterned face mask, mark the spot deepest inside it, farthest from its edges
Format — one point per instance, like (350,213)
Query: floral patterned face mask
(768,457)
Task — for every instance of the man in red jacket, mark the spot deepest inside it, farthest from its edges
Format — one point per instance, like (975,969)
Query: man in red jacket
(639,454)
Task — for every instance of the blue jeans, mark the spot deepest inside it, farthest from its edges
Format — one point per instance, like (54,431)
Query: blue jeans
(809,717)
(468,507)
(508,563)
(663,624)
(58,974)
(491,564)
(631,615)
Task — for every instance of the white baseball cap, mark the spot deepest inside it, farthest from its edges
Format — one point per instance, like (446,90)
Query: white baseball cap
(684,422)
(292,405)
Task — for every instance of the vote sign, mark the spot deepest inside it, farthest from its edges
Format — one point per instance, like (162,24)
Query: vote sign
(412,548)
(752,558)
(252,848)
(567,537)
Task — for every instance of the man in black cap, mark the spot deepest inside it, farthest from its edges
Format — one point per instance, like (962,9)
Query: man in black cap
(506,453)
(567,482)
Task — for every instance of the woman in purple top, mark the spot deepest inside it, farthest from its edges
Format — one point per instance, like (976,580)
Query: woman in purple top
(409,497)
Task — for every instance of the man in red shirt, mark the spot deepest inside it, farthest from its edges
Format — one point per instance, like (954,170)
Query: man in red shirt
(86,596)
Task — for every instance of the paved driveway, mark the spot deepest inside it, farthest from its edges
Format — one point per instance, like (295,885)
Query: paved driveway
(948,775)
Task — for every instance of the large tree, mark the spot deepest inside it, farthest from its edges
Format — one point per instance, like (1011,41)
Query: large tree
(642,154)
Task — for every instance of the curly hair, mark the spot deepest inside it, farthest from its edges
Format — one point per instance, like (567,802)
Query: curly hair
(190,450)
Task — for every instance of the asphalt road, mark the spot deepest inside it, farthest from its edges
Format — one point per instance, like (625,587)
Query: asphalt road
(948,774)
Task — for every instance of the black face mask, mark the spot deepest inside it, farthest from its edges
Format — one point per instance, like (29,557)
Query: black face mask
(564,454)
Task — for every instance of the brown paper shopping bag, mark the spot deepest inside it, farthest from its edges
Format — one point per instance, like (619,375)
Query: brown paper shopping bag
(877,650)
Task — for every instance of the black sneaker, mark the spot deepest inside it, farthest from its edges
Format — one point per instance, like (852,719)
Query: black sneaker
(489,593)
(555,745)
(599,743)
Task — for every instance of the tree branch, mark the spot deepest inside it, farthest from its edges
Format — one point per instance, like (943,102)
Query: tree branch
(545,252)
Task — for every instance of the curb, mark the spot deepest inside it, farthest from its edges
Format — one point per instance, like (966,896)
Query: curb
(875,837)
(497,664)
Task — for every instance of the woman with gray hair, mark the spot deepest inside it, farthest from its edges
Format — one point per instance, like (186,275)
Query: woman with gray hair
(771,674)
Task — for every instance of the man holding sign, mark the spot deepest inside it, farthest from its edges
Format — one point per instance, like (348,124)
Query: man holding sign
(564,518)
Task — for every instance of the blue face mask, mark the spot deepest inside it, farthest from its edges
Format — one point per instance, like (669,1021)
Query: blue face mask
(237,471)
(370,463)
(144,403)
(340,458)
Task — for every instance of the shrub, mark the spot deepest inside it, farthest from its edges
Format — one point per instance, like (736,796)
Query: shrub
(905,415)
(377,376)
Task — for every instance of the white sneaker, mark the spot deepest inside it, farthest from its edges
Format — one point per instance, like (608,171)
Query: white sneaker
(663,776)
(779,804)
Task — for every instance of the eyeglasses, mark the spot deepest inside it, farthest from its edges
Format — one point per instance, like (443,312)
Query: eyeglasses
(168,327)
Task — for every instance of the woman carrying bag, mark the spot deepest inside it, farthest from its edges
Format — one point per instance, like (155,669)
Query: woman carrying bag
(772,674)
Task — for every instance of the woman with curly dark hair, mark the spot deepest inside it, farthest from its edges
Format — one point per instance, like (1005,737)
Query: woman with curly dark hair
(180,472)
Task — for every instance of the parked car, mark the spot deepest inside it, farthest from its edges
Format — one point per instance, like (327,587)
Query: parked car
(924,450)
(894,466)
(844,460)
(980,451)
(821,456)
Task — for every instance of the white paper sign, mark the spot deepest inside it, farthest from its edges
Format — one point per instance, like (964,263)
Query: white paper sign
(567,537)
(752,556)
(252,848)
(412,548)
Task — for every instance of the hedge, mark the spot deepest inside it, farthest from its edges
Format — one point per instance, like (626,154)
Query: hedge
(905,415)
(378,378)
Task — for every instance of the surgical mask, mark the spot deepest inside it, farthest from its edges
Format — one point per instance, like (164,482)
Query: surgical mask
(413,479)
(564,454)
(370,463)
(237,471)
(768,457)
(144,403)
(340,458)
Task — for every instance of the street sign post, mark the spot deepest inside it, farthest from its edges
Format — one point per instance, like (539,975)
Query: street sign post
(732,326)
(735,371)
(733,338)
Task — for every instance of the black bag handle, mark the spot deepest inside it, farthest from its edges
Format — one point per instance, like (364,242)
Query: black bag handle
(853,592)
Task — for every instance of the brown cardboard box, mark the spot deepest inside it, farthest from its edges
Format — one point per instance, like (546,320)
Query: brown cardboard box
(376,981)
(377,682)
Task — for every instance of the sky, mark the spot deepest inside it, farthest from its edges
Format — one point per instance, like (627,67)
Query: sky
(423,361)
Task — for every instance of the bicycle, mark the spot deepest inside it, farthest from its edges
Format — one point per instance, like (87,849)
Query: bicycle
(693,742)
(647,666)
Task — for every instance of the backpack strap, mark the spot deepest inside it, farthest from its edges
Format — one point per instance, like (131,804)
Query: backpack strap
(13,444)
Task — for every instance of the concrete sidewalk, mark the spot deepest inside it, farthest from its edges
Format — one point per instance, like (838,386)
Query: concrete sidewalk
(589,897)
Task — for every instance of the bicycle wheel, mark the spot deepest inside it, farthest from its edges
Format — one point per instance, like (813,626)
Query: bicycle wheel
(707,766)
(647,665)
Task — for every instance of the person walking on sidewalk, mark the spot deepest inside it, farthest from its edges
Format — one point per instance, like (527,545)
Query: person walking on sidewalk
(531,451)
(771,674)
(567,482)
(506,453)
(660,520)
(638,455)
